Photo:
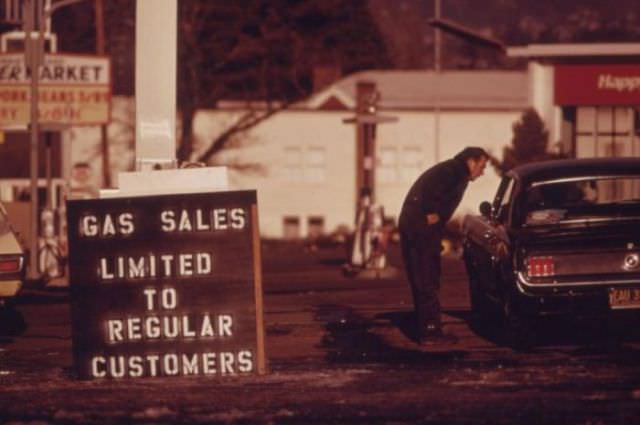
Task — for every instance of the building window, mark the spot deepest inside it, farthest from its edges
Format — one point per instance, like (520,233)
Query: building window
(293,163)
(315,164)
(387,164)
(307,164)
(398,164)
(410,163)
(605,131)
(291,227)
(315,227)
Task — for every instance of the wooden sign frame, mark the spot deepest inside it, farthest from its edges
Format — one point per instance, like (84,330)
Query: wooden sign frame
(166,285)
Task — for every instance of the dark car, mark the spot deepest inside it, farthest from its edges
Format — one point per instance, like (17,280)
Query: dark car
(560,238)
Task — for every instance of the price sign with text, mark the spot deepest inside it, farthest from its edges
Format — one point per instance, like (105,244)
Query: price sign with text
(166,285)
(73,90)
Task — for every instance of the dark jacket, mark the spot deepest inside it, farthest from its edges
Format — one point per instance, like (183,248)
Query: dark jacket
(438,190)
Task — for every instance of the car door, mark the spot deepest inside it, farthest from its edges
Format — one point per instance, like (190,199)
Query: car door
(490,240)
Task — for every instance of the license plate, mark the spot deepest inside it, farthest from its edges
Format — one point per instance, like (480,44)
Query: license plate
(624,298)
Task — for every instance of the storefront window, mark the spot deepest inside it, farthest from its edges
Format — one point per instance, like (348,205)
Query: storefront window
(605,131)
(411,163)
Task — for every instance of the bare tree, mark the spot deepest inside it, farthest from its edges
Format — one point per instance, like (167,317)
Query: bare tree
(246,50)
(260,50)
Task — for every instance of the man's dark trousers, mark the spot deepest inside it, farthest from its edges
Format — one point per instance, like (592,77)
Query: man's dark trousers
(421,253)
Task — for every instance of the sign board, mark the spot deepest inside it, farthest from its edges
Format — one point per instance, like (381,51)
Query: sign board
(166,285)
(73,90)
(592,85)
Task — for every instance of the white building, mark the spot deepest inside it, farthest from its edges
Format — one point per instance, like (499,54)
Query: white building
(307,154)
(587,94)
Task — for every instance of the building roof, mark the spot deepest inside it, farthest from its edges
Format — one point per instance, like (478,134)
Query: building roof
(502,90)
(575,50)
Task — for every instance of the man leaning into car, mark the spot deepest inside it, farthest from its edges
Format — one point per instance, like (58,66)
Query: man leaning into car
(429,204)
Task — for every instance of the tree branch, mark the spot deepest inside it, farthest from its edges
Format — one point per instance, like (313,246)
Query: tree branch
(247,121)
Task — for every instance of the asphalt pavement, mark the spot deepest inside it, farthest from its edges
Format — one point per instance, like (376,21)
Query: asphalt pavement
(339,350)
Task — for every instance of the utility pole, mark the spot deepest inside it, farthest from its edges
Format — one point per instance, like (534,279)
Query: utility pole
(34,52)
(100,49)
(437,40)
(462,32)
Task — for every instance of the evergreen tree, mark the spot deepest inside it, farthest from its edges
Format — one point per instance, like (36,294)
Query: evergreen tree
(528,144)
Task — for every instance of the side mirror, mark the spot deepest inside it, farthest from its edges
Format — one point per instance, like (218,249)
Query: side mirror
(486,209)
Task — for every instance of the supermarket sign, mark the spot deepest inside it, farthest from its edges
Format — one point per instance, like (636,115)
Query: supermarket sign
(72,90)
(601,84)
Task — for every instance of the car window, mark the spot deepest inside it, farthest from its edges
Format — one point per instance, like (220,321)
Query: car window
(3,214)
(502,199)
(4,221)
(551,202)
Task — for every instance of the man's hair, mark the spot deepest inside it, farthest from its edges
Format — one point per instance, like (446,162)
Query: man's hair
(471,152)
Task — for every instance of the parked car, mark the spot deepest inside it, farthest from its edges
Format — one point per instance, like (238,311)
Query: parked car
(12,260)
(560,238)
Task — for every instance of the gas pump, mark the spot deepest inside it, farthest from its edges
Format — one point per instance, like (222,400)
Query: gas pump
(368,251)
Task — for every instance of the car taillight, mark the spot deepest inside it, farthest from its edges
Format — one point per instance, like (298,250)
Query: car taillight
(540,266)
(10,265)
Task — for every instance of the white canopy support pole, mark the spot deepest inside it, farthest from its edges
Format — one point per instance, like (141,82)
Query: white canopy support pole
(156,60)
(156,47)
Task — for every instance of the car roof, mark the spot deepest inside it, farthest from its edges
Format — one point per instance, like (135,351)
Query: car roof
(568,168)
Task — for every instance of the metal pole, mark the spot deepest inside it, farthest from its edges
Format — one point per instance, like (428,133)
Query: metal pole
(32,49)
(438,35)
(48,135)
(436,66)
(156,46)
(100,49)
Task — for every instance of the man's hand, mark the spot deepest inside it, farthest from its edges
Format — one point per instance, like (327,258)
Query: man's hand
(432,218)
